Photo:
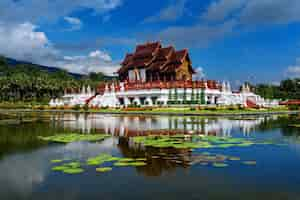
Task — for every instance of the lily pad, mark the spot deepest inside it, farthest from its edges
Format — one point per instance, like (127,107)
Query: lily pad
(195,142)
(249,162)
(72,137)
(234,158)
(128,164)
(60,168)
(219,165)
(73,171)
(121,164)
(56,161)
(103,169)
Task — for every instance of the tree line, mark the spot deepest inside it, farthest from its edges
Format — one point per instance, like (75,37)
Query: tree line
(287,89)
(29,82)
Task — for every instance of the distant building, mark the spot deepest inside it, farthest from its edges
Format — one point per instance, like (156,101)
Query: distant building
(155,75)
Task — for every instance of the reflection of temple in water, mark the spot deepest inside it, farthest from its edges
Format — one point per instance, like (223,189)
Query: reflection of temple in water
(129,126)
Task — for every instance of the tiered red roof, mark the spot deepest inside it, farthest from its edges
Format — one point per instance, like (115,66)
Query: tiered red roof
(154,58)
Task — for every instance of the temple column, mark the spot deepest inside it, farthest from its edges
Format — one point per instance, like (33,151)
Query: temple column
(126,101)
(137,101)
(149,100)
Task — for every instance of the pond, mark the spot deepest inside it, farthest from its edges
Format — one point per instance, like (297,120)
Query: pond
(268,169)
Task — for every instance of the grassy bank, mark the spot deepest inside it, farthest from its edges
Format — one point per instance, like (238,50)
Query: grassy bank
(149,110)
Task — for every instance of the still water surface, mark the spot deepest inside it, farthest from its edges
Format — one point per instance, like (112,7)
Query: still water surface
(25,167)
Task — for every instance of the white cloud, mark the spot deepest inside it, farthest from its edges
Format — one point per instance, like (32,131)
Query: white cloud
(195,36)
(23,42)
(270,12)
(294,70)
(220,10)
(254,12)
(75,23)
(96,61)
(199,73)
(222,17)
(171,13)
(36,11)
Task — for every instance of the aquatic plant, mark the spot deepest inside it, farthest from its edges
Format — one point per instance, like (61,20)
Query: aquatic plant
(219,165)
(102,158)
(73,137)
(73,171)
(249,162)
(56,161)
(69,168)
(234,158)
(295,125)
(128,164)
(103,169)
(196,142)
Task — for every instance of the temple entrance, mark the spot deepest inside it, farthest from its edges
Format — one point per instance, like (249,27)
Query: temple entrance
(142,100)
(154,100)
(121,101)
(131,99)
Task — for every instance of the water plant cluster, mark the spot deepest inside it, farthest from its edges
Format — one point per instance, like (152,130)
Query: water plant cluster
(196,141)
(218,160)
(106,162)
(71,167)
(73,137)
(295,125)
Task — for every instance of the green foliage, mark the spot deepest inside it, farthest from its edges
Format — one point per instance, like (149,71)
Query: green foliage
(175,95)
(288,89)
(294,107)
(86,107)
(72,137)
(193,94)
(76,107)
(184,96)
(28,82)
(170,96)
(202,97)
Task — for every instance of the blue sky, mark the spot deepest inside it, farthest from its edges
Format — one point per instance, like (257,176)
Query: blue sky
(235,40)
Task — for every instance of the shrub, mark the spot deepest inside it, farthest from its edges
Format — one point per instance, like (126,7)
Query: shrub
(233,108)
(86,107)
(294,107)
(211,108)
(40,107)
(76,107)
(192,109)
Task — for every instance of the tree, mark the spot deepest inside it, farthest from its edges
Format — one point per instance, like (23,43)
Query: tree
(184,96)
(170,99)
(175,95)
(193,95)
(202,97)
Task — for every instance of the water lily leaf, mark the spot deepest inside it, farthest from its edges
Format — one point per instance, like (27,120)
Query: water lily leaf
(56,161)
(68,138)
(59,168)
(103,169)
(249,162)
(234,158)
(219,165)
(73,171)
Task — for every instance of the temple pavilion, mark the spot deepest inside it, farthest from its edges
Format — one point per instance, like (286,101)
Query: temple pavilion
(153,75)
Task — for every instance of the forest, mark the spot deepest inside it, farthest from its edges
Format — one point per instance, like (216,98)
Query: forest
(287,89)
(31,83)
